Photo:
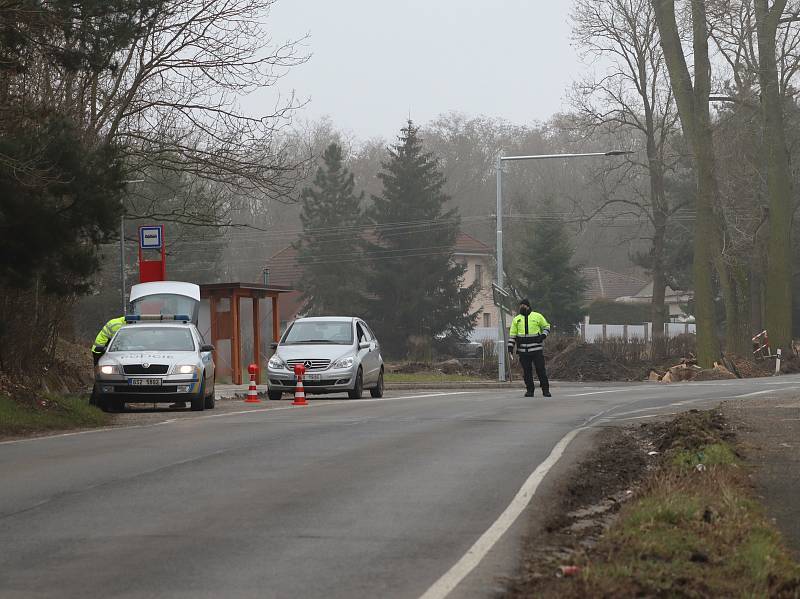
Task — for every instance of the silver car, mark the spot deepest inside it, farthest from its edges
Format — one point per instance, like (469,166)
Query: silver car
(155,362)
(340,354)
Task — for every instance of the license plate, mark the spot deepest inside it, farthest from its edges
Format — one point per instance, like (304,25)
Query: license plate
(146,382)
(312,377)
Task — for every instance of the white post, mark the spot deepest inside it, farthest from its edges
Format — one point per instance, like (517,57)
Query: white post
(778,363)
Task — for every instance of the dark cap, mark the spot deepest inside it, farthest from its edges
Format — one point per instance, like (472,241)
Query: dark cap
(525,302)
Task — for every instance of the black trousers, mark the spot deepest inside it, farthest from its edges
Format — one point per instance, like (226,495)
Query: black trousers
(532,360)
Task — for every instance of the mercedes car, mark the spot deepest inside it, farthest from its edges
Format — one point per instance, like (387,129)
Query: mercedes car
(155,360)
(340,355)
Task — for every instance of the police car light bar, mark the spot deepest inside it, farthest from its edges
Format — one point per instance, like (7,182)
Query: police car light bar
(132,318)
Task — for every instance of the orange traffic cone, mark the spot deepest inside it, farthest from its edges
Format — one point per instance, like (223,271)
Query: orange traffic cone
(252,392)
(299,392)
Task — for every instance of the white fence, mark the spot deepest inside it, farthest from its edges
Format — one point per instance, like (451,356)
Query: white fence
(598,332)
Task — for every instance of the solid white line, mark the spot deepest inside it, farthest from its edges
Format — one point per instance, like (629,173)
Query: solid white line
(598,392)
(123,427)
(445,585)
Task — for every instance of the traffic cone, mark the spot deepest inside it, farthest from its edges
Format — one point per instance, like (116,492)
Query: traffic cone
(299,392)
(252,392)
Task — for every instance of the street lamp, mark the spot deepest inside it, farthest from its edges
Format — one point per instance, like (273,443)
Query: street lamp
(122,246)
(501,360)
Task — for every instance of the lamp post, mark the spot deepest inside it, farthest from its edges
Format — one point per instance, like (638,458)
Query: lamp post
(122,246)
(501,354)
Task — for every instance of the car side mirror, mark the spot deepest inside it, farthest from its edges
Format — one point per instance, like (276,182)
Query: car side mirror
(205,348)
(100,349)
(273,345)
(364,345)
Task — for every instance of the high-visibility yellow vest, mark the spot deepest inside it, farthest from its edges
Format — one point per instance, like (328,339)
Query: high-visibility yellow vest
(524,332)
(107,332)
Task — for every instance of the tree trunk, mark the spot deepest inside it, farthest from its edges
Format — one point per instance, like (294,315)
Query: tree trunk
(658,308)
(779,186)
(692,101)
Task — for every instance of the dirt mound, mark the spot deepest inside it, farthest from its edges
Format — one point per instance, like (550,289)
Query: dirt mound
(691,430)
(586,362)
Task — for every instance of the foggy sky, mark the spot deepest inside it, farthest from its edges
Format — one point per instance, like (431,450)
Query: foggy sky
(376,61)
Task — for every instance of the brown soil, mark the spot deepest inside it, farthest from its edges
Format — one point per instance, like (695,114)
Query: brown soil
(592,495)
(587,362)
(588,502)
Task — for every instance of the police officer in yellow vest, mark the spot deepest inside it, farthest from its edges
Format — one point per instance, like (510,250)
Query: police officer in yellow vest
(528,331)
(105,335)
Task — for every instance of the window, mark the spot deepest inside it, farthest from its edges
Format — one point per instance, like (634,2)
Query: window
(363,332)
(138,338)
(312,332)
(487,319)
(479,275)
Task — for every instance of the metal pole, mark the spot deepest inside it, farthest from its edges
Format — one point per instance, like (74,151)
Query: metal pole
(501,350)
(122,259)
(501,354)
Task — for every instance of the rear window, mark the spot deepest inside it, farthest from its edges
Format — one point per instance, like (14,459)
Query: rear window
(333,332)
(136,338)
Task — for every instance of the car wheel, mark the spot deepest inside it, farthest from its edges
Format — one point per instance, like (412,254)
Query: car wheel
(358,388)
(211,399)
(274,394)
(199,402)
(377,390)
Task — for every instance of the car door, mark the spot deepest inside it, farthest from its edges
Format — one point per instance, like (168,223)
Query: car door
(367,355)
(206,357)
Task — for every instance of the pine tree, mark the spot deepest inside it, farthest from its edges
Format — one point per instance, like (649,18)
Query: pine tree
(415,285)
(546,276)
(330,250)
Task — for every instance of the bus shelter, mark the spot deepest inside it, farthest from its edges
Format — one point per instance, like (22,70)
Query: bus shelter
(225,317)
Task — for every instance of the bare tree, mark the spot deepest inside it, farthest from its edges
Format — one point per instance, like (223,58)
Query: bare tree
(761,45)
(691,96)
(632,98)
(169,93)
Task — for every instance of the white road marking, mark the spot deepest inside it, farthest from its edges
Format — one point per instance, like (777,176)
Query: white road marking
(445,585)
(238,412)
(601,392)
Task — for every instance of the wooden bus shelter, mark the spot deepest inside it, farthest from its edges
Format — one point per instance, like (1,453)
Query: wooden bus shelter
(226,325)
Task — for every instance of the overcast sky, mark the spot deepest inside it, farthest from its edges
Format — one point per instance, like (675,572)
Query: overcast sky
(374,61)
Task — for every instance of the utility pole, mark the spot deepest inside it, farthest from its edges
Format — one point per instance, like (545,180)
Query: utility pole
(501,353)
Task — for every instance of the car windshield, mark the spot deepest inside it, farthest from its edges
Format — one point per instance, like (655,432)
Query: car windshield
(319,331)
(136,338)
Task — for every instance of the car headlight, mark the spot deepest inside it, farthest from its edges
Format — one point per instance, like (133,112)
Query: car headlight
(344,362)
(108,369)
(276,363)
(185,369)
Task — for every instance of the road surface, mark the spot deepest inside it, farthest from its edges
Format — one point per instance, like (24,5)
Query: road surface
(370,498)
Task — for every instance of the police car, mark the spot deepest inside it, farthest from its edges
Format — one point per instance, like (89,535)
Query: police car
(155,359)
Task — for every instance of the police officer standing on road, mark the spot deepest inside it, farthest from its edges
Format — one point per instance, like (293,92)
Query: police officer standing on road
(528,331)
(105,335)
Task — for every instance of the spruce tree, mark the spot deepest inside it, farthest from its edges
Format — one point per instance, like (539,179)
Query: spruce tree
(416,288)
(330,250)
(547,277)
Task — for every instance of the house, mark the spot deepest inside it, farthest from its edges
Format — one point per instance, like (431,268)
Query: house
(675,301)
(284,270)
(606,284)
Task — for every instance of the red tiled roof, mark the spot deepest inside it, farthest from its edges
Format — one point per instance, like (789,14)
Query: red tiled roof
(607,284)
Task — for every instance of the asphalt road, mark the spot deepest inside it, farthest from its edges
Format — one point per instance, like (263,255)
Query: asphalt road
(370,498)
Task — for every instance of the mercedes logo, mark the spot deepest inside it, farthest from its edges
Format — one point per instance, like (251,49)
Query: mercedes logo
(146,365)
(307,363)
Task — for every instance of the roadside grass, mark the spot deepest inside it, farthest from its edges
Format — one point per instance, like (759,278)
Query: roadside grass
(50,412)
(429,377)
(694,530)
